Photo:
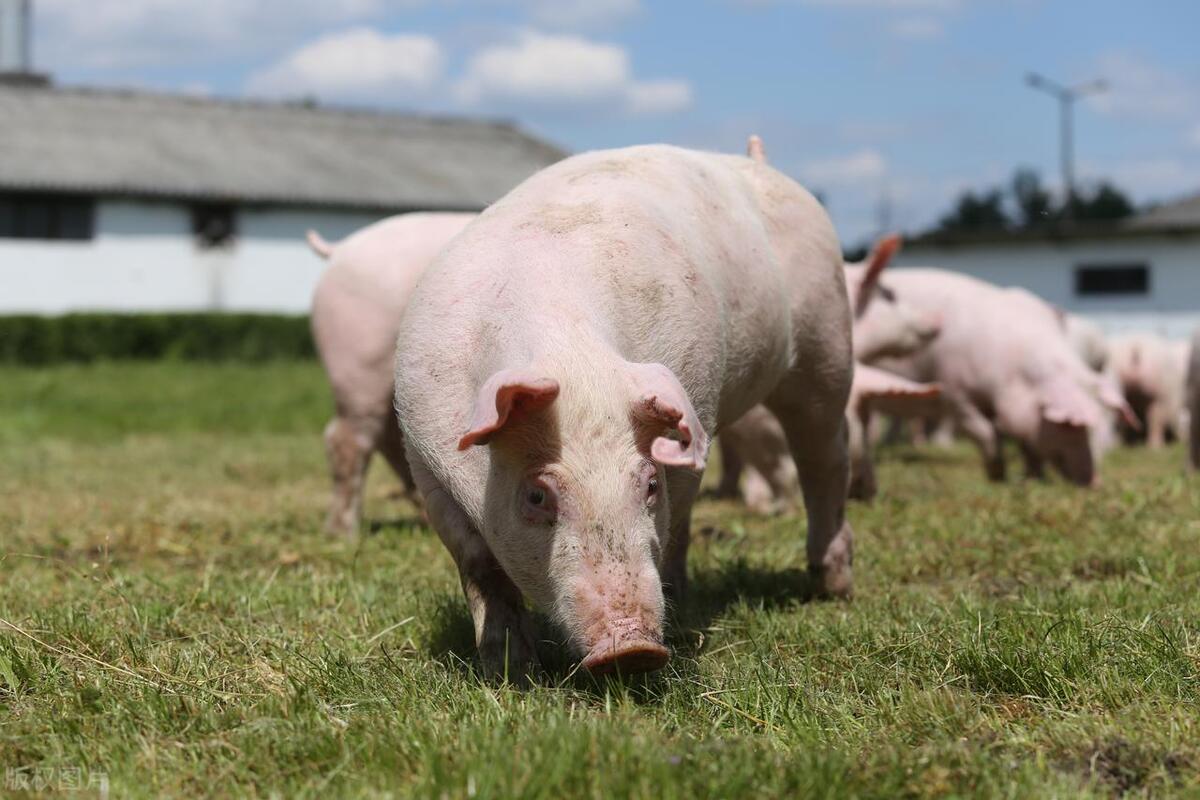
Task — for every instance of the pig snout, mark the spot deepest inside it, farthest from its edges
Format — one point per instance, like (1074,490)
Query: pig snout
(627,647)
(620,622)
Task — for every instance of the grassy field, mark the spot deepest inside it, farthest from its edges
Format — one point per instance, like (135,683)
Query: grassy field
(173,621)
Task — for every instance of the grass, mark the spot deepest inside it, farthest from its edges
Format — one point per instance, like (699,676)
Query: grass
(175,620)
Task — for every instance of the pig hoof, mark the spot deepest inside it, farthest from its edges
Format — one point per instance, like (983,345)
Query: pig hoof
(513,661)
(831,582)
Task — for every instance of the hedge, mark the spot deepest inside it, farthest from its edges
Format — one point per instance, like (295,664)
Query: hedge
(35,340)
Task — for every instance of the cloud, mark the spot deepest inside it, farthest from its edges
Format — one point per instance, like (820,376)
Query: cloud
(890,5)
(120,34)
(581,14)
(360,62)
(864,166)
(917,28)
(1140,88)
(559,71)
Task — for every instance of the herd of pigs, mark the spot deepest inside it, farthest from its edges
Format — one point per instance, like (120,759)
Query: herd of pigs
(547,377)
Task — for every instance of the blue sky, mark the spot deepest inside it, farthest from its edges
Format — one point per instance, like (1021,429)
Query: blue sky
(908,100)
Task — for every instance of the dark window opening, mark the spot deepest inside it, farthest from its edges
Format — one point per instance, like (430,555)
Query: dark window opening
(1117,279)
(214,225)
(46,216)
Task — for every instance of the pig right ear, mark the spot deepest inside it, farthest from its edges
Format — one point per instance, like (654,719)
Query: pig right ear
(504,398)
(883,252)
(1065,403)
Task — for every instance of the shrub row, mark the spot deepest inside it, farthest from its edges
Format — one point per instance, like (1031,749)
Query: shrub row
(35,340)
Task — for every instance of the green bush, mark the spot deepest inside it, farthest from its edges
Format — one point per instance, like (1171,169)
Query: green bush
(34,340)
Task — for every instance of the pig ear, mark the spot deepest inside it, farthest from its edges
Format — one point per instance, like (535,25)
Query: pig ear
(504,398)
(667,419)
(899,395)
(1112,398)
(883,252)
(1065,403)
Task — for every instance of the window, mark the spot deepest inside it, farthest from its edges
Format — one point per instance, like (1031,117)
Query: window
(1112,280)
(213,225)
(46,216)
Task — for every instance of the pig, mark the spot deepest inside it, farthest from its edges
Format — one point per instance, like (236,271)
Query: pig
(355,318)
(1152,372)
(1194,399)
(1088,340)
(755,447)
(1006,368)
(563,363)
(756,442)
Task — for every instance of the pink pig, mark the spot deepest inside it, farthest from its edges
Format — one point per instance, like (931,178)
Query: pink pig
(1152,373)
(355,317)
(1193,392)
(563,363)
(1006,368)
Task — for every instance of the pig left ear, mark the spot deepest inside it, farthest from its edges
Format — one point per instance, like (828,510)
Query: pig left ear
(881,255)
(505,397)
(668,419)
(1112,398)
(1065,403)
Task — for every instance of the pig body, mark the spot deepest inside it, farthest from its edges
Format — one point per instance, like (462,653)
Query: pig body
(355,318)
(1194,399)
(1088,341)
(1152,372)
(1006,368)
(561,367)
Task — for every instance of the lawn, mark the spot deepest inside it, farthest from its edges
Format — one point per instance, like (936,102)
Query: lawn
(173,621)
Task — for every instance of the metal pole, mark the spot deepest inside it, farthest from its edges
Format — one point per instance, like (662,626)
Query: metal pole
(1067,148)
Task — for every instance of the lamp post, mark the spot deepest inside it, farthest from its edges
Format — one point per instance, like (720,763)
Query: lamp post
(1066,96)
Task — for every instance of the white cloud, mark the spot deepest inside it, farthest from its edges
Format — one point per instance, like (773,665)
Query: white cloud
(857,168)
(917,28)
(550,71)
(119,34)
(581,14)
(1141,88)
(1153,178)
(359,62)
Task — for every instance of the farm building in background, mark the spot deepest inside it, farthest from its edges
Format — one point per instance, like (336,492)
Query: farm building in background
(1141,274)
(132,201)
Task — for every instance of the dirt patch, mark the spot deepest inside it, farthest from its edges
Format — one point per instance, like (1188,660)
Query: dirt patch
(1123,766)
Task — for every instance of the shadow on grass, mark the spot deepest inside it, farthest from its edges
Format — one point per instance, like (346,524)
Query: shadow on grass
(712,593)
(409,525)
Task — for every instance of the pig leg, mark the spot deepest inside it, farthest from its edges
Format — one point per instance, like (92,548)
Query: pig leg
(862,469)
(503,630)
(1035,467)
(1156,424)
(391,444)
(757,493)
(682,488)
(815,426)
(731,468)
(349,443)
(982,432)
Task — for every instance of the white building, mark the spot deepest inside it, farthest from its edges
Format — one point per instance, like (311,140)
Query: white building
(131,201)
(1140,275)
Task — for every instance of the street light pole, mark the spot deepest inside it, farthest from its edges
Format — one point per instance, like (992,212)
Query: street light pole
(1066,96)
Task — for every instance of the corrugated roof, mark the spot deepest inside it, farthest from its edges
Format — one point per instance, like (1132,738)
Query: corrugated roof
(1180,215)
(147,144)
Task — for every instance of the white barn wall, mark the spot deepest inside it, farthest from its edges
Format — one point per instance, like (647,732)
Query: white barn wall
(143,259)
(1172,307)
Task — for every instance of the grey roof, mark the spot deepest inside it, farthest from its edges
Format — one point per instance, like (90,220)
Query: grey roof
(1180,215)
(145,144)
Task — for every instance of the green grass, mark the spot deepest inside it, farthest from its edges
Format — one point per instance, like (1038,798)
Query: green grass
(175,619)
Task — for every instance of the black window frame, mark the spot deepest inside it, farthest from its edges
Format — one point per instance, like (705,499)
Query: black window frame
(1113,280)
(47,216)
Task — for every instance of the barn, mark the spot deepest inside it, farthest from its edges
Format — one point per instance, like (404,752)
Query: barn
(116,200)
(1142,274)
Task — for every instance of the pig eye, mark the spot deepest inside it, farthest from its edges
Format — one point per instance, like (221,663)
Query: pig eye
(651,488)
(536,497)
(539,499)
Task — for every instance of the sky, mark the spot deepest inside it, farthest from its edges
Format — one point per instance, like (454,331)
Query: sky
(887,108)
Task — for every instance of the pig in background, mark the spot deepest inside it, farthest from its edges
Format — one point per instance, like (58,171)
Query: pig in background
(1007,369)
(356,313)
(1152,373)
(754,455)
(1194,399)
(562,363)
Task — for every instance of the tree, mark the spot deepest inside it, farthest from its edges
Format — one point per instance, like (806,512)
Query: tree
(975,213)
(1034,205)
(1105,204)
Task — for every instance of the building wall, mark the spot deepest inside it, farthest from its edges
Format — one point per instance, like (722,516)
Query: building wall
(1172,307)
(143,258)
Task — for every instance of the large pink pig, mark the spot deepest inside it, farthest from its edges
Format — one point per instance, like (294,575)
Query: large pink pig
(355,317)
(1152,372)
(1006,368)
(563,363)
